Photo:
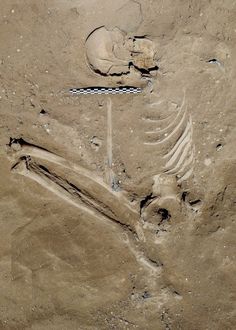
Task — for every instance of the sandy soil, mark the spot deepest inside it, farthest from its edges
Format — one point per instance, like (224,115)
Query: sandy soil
(118,211)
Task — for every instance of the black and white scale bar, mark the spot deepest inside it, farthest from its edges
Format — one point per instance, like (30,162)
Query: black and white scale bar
(106,90)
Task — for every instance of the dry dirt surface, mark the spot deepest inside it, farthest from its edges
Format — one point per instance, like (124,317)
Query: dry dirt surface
(117,206)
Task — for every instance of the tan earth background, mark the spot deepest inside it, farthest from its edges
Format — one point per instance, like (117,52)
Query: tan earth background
(96,231)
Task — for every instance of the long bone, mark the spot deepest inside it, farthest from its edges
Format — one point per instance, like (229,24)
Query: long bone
(93,193)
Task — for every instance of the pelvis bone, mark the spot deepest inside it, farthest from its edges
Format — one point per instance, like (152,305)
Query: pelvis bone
(113,52)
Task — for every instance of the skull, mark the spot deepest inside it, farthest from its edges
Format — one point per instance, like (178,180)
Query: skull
(113,52)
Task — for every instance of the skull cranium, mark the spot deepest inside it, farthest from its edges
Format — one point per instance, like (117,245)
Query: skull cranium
(113,52)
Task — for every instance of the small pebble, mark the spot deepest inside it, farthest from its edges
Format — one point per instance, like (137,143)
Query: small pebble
(207,161)
(219,147)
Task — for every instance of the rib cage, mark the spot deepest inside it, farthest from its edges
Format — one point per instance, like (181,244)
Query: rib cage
(172,134)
